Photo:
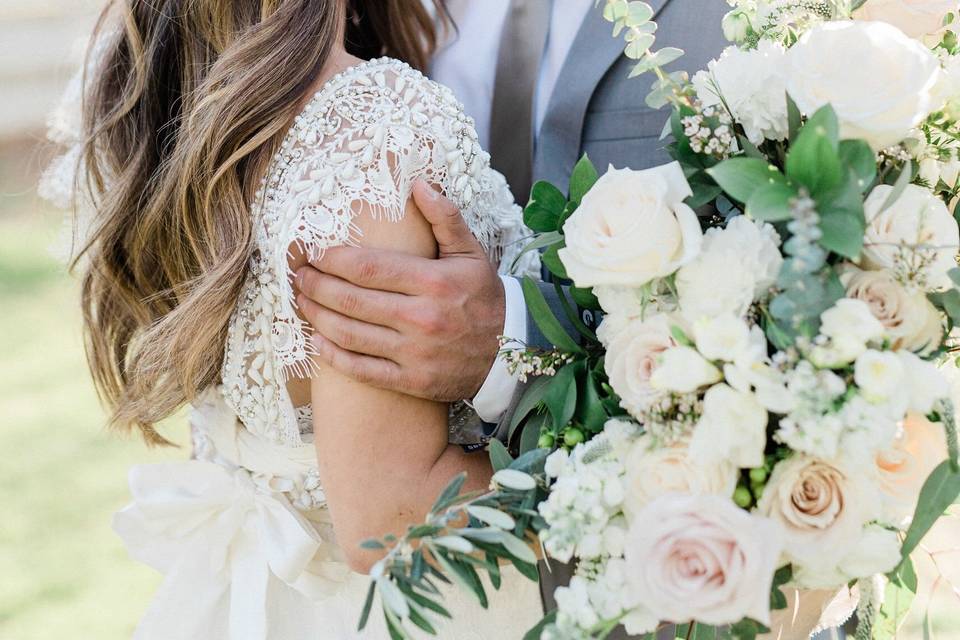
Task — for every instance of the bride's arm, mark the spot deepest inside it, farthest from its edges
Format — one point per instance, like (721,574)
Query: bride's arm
(384,456)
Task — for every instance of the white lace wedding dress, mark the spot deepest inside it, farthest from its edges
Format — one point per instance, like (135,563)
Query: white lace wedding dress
(241,531)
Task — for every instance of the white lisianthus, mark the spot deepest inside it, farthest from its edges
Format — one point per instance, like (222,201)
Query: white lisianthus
(849,66)
(746,253)
(879,374)
(676,539)
(733,427)
(724,337)
(631,228)
(751,83)
(924,383)
(632,357)
(909,318)
(655,470)
(916,18)
(915,237)
(823,507)
(683,370)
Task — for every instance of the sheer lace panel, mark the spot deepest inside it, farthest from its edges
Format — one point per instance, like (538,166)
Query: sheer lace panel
(359,145)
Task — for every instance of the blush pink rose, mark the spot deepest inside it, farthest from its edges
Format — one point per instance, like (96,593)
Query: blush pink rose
(919,447)
(702,558)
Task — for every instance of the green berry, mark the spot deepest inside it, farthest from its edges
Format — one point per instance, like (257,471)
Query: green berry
(758,475)
(546,441)
(572,437)
(742,497)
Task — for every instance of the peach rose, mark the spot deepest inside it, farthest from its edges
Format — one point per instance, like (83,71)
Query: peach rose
(822,506)
(919,447)
(916,18)
(702,558)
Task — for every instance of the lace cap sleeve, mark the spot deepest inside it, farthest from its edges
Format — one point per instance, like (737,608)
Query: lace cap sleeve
(360,146)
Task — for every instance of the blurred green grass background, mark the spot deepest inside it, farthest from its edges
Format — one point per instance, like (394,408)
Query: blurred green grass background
(63,573)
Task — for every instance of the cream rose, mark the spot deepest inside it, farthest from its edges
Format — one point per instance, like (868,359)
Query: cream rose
(910,320)
(703,558)
(631,228)
(632,357)
(683,370)
(916,18)
(655,469)
(868,104)
(822,506)
(733,427)
(917,229)
(919,447)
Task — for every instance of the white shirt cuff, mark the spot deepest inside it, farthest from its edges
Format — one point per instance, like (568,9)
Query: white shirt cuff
(497,390)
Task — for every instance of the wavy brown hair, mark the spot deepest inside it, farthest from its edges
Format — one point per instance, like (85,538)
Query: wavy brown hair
(185,104)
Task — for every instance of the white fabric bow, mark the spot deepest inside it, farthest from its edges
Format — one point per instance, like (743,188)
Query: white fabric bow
(206,527)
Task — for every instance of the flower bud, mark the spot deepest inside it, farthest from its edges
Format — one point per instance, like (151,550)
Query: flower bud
(736,25)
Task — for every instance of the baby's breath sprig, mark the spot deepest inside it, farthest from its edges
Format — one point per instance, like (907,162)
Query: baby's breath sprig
(525,362)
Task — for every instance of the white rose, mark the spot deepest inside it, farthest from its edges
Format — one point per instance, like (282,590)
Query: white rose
(879,374)
(910,319)
(878,551)
(632,227)
(916,18)
(702,558)
(733,427)
(880,82)
(632,357)
(747,255)
(683,370)
(919,447)
(850,325)
(725,337)
(924,383)
(752,86)
(654,470)
(621,301)
(916,229)
(822,506)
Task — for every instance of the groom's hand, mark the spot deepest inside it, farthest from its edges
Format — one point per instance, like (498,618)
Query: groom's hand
(426,328)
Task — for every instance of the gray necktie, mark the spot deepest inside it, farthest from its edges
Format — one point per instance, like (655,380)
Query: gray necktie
(518,68)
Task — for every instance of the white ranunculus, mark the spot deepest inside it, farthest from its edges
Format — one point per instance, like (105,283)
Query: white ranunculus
(733,427)
(879,374)
(916,18)
(746,253)
(683,370)
(880,82)
(725,337)
(632,357)
(822,506)
(631,228)
(701,558)
(924,383)
(917,229)
(655,470)
(751,83)
(910,319)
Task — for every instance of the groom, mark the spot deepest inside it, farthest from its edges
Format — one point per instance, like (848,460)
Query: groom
(545,82)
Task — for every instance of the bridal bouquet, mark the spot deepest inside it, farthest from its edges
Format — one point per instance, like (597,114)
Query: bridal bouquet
(761,405)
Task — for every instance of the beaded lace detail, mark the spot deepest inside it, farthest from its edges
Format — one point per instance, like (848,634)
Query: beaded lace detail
(359,145)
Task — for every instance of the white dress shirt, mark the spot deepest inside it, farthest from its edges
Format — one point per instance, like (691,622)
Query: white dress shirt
(467,63)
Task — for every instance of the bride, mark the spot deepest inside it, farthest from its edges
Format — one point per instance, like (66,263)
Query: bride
(225,143)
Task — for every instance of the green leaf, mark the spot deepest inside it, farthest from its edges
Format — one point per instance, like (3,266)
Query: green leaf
(418,619)
(464,575)
(500,458)
(842,234)
(938,493)
(528,402)
(426,602)
(546,205)
(777,599)
(954,276)
(949,301)
(367,605)
(551,260)
(582,179)
(794,118)
(898,596)
(585,298)
(450,493)
(590,412)
(740,177)
(905,178)
(530,438)
(561,396)
(813,159)
(372,544)
(861,160)
(537,630)
(771,203)
(546,321)
(542,240)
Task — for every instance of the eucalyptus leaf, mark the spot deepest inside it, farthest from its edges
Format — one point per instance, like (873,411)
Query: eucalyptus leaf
(861,160)
(771,203)
(813,159)
(939,491)
(740,177)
